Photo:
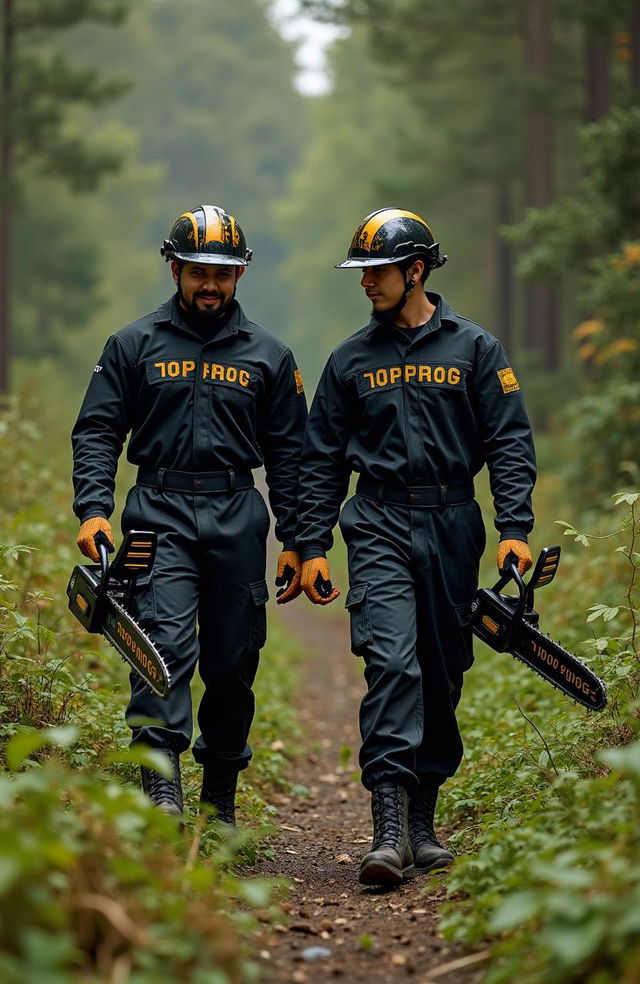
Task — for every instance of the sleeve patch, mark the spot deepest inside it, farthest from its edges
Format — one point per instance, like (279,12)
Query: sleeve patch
(508,380)
(297,375)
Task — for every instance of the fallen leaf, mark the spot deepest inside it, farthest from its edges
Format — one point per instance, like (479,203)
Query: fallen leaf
(344,859)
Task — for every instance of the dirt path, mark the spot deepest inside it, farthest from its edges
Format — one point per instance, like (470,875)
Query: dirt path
(335,928)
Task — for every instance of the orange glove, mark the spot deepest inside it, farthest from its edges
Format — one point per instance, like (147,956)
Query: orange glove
(88,530)
(520,549)
(316,581)
(288,574)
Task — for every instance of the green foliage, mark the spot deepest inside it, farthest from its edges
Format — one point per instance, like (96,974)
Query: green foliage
(600,215)
(95,883)
(44,84)
(68,276)
(603,436)
(550,848)
(595,234)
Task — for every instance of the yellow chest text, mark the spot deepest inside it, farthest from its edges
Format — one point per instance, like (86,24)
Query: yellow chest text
(188,369)
(420,374)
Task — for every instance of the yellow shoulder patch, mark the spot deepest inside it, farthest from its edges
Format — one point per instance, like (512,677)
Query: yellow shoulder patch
(508,380)
(297,375)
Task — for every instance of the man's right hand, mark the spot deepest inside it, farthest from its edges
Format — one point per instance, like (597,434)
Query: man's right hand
(86,536)
(316,581)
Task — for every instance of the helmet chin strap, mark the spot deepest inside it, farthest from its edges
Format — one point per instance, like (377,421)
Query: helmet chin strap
(409,284)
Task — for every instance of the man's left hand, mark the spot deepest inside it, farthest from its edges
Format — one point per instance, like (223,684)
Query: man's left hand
(288,576)
(520,549)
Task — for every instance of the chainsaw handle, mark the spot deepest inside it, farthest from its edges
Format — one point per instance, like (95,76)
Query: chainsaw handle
(104,548)
(510,572)
(103,554)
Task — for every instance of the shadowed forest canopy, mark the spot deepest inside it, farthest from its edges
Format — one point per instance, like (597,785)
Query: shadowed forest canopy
(210,114)
(469,113)
(483,106)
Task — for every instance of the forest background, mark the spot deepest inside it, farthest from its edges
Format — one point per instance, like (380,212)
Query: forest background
(514,129)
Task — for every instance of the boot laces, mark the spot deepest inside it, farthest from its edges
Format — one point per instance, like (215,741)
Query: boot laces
(422,808)
(161,790)
(387,816)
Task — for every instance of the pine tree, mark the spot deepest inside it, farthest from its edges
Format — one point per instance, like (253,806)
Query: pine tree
(39,89)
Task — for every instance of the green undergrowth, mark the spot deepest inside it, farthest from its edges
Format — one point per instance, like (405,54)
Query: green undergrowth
(96,885)
(547,802)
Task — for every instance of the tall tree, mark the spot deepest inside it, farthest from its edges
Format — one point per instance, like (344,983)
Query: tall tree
(540,296)
(597,60)
(39,87)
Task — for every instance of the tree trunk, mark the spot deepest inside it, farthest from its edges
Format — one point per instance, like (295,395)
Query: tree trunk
(634,32)
(503,269)
(5,196)
(540,297)
(597,56)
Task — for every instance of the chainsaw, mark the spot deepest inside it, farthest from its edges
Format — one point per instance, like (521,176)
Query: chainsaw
(101,596)
(510,624)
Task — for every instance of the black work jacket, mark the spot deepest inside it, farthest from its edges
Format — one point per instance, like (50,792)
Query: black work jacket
(234,401)
(426,412)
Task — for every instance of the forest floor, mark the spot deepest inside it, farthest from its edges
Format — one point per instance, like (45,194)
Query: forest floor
(336,929)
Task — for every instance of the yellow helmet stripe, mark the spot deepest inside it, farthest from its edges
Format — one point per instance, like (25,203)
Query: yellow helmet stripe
(214,231)
(235,235)
(194,223)
(385,215)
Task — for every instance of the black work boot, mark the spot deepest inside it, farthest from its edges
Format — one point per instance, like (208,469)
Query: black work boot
(166,794)
(219,791)
(390,859)
(428,853)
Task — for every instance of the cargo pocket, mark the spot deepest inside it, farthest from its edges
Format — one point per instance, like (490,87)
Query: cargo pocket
(258,615)
(144,599)
(360,617)
(463,620)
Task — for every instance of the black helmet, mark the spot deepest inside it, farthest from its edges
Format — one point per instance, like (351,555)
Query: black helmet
(206,234)
(391,235)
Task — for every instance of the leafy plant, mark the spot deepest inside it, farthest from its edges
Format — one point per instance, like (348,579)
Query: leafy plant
(549,851)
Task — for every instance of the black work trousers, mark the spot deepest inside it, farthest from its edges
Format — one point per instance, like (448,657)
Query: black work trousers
(412,574)
(203,605)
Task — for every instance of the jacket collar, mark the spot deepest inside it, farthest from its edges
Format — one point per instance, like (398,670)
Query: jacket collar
(443,314)
(170,314)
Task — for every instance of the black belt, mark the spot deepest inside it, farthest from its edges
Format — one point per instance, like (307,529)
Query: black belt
(418,496)
(180,481)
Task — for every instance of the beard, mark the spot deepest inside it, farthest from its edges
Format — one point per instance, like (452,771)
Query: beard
(208,320)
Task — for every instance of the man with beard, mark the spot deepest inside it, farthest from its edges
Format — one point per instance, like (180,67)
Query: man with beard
(416,402)
(206,396)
